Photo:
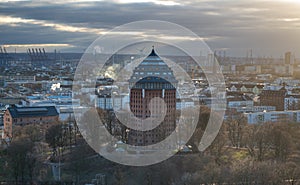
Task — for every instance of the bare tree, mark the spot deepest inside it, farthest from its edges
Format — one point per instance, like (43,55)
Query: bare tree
(218,148)
(258,140)
(281,141)
(119,177)
(91,128)
(107,119)
(236,130)
(19,159)
(79,161)
(55,138)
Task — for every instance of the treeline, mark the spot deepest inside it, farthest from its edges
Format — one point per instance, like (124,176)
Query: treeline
(266,153)
(33,150)
(260,154)
(241,154)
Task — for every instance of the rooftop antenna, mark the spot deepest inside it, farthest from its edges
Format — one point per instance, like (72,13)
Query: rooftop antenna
(41,54)
(251,58)
(33,52)
(37,53)
(29,53)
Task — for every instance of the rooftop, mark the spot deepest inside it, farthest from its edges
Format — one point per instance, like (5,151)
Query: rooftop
(18,112)
(154,68)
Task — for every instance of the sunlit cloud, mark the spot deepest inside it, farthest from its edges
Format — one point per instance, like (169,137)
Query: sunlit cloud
(212,13)
(184,38)
(5,1)
(14,21)
(289,1)
(47,46)
(158,2)
(289,19)
(36,45)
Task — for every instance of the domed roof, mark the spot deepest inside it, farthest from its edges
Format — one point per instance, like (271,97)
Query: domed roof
(154,68)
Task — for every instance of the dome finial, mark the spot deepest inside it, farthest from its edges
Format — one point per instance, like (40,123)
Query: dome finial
(152,52)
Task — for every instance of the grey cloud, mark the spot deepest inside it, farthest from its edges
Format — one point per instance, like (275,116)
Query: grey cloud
(237,25)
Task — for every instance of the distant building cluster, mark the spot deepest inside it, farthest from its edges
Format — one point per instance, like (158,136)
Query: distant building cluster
(261,89)
(274,103)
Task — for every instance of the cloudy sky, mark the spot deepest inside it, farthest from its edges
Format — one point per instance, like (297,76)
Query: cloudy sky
(268,27)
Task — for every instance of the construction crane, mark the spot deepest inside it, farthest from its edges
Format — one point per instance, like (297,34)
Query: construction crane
(30,54)
(44,53)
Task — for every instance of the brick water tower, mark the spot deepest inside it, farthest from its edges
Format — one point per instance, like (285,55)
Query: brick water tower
(152,78)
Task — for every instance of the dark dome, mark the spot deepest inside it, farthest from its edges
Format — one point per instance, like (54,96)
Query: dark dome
(152,69)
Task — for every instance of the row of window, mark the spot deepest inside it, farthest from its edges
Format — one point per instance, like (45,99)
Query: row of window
(154,85)
(153,73)
(141,141)
(149,92)
(147,135)
(136,104)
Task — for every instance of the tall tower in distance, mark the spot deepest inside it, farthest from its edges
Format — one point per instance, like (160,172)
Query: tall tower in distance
(152,78)
(287,57)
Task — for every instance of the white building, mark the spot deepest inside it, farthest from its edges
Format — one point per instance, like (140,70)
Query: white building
(287,80)
(108,102)
(274,116)
(184,103)
(237,104)
(19,78)
(256,109)
(292,102)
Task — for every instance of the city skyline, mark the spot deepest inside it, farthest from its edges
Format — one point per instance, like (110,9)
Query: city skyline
(130,92)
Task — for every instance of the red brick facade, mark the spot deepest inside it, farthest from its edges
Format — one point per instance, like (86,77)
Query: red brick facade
(273,98)
(140,108)
(9,121)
